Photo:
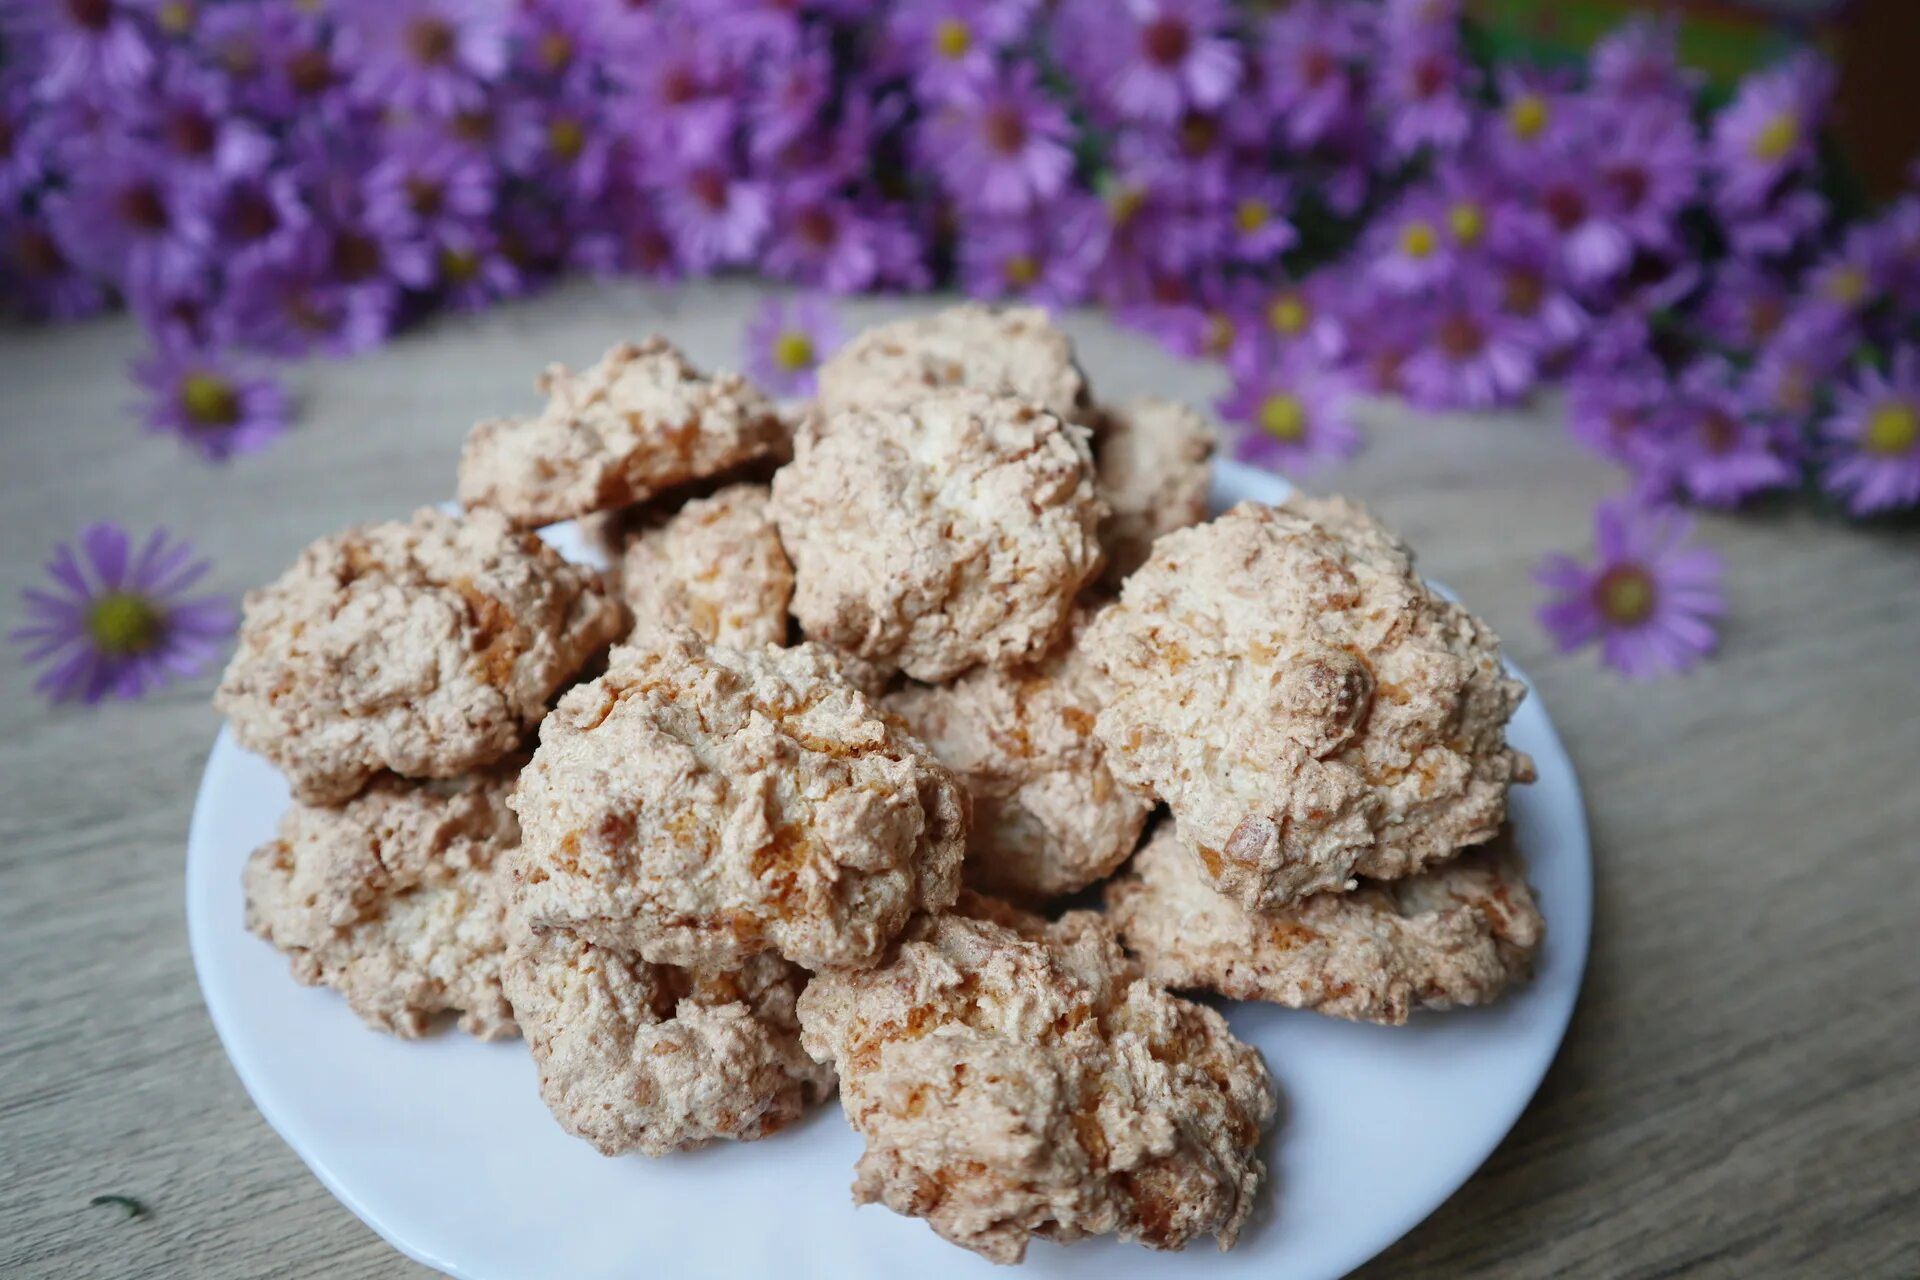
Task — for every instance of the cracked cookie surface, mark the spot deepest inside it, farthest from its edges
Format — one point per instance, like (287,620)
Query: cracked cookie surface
(1011,351)
(715,566)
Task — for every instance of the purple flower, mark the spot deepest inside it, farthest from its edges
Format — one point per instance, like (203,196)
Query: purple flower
(1261,231)
(276,55)
(1768,130)
(37,278)
(949,47)
(199,398)
(189,121)
(1047,257)
(1648,161)
(717,218)
(1422,88)
(562,142)
(1899,232)
(1308,55)
(474,269)
(1714,444)
(1776,229)
(1638,62)
(1745,304)
(1296,415)
(829,241)
(1475,354)
(1152,59)
(1572,196)
(26,149)
(1849,279)
(1651,600)
(1004,148)
(1422,241)
(1536,120)
(115,621)
(425,185)
(1874,438)
(293,304)
(553,41)
(626,235)
(1614,411)
(785,102)
(1290,317)
(787,340)
(95,48)
(126,218)
(675,92)
(1796,364)
(434,55)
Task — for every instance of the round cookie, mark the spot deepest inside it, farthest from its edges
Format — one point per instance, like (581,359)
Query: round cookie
(1048,817)
(954,532)
(1015,351)
(427,647)
(715,566)
(396,900)
(1152,462)
(1016,1079)
(1458,934)
(699,805)
(643,1057)
(641,421)
(1309,709)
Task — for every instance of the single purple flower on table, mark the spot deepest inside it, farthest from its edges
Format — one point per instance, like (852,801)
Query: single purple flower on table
(1873,438)
(1714,444)
(1651,600)
(189,121)
(199,397)
(786,342)
(93,49)
(717,218)
(1048,257)
(1151,59)
(125,217)
(116,620)
(435,56)
(1423,90)
(948,47)
(1768,131)
(1002,149)
(37,279)
(1308,56)
(1474,353)
(1295,416)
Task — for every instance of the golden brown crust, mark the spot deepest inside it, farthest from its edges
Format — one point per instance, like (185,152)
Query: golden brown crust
(656,1059)
(428,647)
(1307,706)
(1457,934)
(699,805)
(640,422)
(947,534)
(1015,1079)
(1012,351)
(715,566)
(395,900)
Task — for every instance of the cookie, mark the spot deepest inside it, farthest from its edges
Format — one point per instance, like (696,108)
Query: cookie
(698,805)
(1013,351)
(640,422)
(1153,460)
(1016,1079)
(934,538)
(1048,816)
(656,1059)
(395,900)
(716,567)
(428,647)
(1309,709)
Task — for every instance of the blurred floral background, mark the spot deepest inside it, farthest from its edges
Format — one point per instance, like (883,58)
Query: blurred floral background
(1331,197)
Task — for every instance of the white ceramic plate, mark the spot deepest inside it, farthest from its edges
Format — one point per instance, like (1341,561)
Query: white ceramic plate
(444,1148)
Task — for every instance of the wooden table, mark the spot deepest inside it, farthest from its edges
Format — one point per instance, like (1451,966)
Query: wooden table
(1740,1093)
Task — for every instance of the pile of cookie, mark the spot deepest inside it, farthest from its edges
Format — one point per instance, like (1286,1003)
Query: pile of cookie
(791,797)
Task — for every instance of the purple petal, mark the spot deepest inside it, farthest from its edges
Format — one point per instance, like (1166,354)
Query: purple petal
(106,547)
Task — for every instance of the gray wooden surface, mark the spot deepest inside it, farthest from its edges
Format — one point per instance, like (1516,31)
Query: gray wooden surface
(1740,1093)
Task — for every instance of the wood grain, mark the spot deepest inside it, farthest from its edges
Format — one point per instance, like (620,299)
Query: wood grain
(1740,1094)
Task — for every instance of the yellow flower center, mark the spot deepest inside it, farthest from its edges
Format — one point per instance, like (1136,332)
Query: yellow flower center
(1528,116)
(1283,417)
(1846,286)
(209,400)
(459,266)
(1893,429)
(1252,215)
(1624,595)
(1288,314)
(122,623)
(1220,333)
(1020,270)
(1467,222)
(1777,138)
(556,50)
(1124,203)
(793,351)
(952,38)
(1417,240)
(567,138)
(176,17)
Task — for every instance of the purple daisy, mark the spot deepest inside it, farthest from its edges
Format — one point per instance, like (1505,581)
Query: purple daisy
(26,147)
(278,57)
(37,279)
(1648,160)
(433,55)
(1296,416)
(787,340)
(1639,61)
(198,397)
(188,119)
(1745,304)
(717,217)
(831,241)
(562,142)
(1714,444)
(474,269)
(1475,353)
(128,219)
(1152,59)
(94,48)
(675,91)
(1002,149)
(1848,279)
(1309,54)
(1797,362)
(784,103)
(1651,600)
(296,303)
(552,41)
(1048,258)
(1775,229)
(1769,129)
(1874,438)
(1614,410)
(119,621)
(1899,232)
(1536,119)
(425,184)
(1571,195)
(1423,88)
(1289,317)
(949,47)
